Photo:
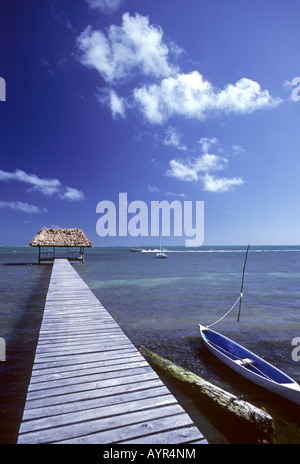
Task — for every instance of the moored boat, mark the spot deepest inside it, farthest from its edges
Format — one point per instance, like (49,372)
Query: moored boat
(161,253)
(250,366)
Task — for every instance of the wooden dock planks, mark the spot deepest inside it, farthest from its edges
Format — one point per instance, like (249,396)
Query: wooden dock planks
(89,384)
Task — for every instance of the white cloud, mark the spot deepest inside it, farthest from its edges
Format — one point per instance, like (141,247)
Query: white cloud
(198,170)
(237,149)
(47,187)
(134,46)
(223,184)
(210,162)
(182,171)
(22,207)
(190,169)
(106,6)
(190,96)
(172,194)
(116,104)
(206,143)
(173,138)
(71,194)
(153,189)
(288,85)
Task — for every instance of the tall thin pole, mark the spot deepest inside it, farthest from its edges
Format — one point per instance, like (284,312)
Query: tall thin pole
(238,319)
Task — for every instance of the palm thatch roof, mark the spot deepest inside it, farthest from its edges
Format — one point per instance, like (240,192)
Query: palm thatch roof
(60,238)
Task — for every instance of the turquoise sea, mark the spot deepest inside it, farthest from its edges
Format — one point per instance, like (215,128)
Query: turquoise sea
(159,304)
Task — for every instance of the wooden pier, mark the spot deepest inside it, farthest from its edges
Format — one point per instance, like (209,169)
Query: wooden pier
(89,383)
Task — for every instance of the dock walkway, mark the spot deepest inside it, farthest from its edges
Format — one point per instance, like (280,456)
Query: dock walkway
(89,384)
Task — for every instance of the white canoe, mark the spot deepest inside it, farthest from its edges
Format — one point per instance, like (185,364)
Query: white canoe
(250,365)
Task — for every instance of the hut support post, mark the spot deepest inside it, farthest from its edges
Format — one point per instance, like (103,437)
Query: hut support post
(39,255)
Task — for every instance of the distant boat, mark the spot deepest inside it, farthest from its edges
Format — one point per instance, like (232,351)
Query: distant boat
(250,365)
(136,250)
(161,253)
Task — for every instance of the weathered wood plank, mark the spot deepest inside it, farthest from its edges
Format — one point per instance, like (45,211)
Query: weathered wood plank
(145,429)
(89,383)
(112,428)
(184,435)
(93,385)
(52,386)
(148,391)
(91,394)
(83,360)
(65,419)
(62,373)
(81,348)
(83,357)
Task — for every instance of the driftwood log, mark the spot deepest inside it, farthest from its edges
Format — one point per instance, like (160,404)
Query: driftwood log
(224,400)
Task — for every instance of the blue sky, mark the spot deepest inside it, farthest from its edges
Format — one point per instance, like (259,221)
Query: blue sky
(177,100)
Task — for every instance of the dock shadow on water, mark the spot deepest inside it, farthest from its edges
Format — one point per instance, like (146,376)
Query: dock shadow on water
(20,323)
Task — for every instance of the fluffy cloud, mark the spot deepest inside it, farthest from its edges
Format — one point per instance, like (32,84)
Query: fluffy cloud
(182,171)
(210,162)
(206,143)
(173,138)
(198,169)
(134,46)
(237,149)
(190,96)
(21,206)
(116,104)
(71,194)
(47,187)
(221,184)
(189,170)
(106,6)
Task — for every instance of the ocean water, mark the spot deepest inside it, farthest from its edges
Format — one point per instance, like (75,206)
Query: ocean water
(159,303)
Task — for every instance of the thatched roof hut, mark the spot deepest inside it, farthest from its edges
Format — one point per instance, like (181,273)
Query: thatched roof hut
(65,238)
(60,238)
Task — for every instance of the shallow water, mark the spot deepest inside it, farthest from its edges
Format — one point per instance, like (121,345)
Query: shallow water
(159,304)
